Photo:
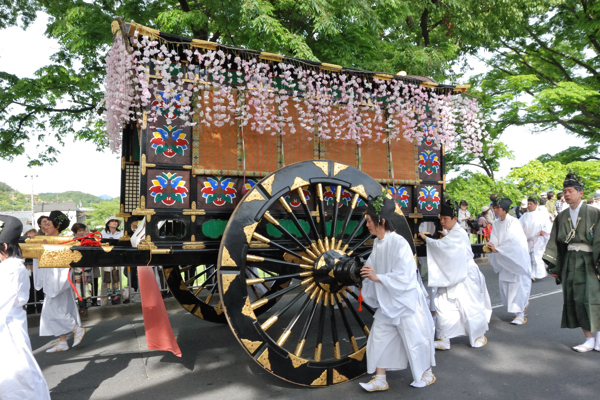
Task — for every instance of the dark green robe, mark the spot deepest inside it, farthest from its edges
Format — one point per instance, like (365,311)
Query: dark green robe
(577,270)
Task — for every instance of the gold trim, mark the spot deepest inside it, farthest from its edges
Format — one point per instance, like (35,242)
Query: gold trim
(360,189)
(204,44)
(190,307)
(254,195)
(193,211)
(320,191)
(226,280)
(247,310)
(58,257)
(461,88)
(297,361)
(299,348)
(337,168)
(226,259)
(51,240)
(299,183)
(267,183)
(144,164)
(331,67)
(359,355)
(337,377)
(219,308)
(270,218)
(249,231)
(264,360)
(253,258)
(429,84)
(268,323)
(271,56)
(258,303)
(259,237)
(336,350)
(146,244)
(321,380)
(285,205)
(31,250)
(193,246)
(251,345)
(318,351)
(254,281)
(283,338)
(323,165)
(142,210)
(383,76)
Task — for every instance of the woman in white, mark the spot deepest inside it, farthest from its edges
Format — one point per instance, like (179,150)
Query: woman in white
(60,314)
(403,329)
(464,215)
(20,374)
(111,274)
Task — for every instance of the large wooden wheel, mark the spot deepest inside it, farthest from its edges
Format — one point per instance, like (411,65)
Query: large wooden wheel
(306,327)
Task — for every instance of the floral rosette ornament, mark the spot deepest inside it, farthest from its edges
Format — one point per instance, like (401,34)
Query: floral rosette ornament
(429,198)
(329,196)
(293,199)
(218,191)
(429,162)
(169,141)
(168,106)
(169,189)
(400,195)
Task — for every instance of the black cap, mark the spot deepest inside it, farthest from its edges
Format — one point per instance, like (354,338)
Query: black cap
(385,204)
(60,219)
(503,204)
(448,210)
(10,229)
(573,180)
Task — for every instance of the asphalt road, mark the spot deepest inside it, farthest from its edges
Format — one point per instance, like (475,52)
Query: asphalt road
(533,361)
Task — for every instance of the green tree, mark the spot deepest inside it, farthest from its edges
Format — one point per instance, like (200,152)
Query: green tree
(476,188)
(421,37)
(100,212)
(536,177)
(546,73)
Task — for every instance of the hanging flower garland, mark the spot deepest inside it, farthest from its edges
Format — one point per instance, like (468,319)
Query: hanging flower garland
(226,89)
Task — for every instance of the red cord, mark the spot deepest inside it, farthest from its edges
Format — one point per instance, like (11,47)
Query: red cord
(360,298)
(74,288)
(97,236)
(93,240)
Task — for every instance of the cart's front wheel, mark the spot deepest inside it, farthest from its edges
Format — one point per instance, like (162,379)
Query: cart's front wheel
(288,269)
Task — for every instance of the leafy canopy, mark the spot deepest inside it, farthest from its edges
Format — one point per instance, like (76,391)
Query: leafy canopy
(420,37)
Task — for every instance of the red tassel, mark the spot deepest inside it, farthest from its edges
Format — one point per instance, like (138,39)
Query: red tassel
(360,298)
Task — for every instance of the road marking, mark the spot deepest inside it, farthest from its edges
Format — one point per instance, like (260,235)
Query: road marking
(535,296)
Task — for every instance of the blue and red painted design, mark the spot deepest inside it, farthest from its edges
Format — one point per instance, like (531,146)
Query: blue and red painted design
(428,131)
(429,162)
(429,198)
(345,197)
(293,199)
(168,189)
(399,194)
(218,191)
(169,141)
(250,183)
(168,105)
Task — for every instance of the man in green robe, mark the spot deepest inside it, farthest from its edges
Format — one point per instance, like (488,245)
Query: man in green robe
(572,257)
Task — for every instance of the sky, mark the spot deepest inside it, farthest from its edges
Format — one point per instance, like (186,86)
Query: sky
(72,170)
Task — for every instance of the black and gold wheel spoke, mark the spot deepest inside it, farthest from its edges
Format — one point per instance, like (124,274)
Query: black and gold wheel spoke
(321,208)
(265,299)
(351,336)
(305,330)
(198,275)
(266,240)
(320,330)
(340,237)
(354,313)
(206,282)
(210,294)
(311,221)
(365,305)
(282,229)
(334,333)
(336,206)
(355,232)
(357,245)
(295,220)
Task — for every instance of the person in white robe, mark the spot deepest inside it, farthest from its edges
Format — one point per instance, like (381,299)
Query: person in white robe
(510,259)
(20,374)
(462,302)
(537,227)
(403,330)
(60,314)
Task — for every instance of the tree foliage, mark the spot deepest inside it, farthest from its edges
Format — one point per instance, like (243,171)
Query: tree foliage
(100,212)
(476,188)
(536,177)
(420,37)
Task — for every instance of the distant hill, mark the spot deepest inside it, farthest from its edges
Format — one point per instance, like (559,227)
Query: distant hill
(9,198)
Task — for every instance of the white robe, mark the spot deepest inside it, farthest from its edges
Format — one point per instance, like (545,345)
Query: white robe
(60,314)
(533,223)
(403,330)
(512,262)
(20,374)
(462,303)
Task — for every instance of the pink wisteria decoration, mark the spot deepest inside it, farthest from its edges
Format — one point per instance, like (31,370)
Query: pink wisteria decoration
(259,94)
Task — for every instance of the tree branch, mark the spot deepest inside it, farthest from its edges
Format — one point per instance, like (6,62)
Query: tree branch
(423,25)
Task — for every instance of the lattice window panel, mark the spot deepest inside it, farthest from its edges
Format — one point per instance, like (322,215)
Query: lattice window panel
(132,187)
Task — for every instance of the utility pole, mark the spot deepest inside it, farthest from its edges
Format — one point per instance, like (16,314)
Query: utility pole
(32,212)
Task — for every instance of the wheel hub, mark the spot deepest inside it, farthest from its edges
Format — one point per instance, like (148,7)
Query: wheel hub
(334,269)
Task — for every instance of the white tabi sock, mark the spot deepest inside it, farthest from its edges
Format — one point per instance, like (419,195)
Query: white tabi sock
(597,347)
(589,342)
(520,314)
